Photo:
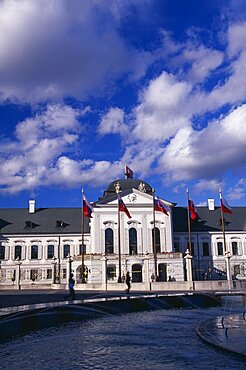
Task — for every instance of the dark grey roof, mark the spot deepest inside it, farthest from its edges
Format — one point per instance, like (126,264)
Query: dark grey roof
(209,220)
(44,221)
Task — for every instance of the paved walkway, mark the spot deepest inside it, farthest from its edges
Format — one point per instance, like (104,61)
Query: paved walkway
(228,333)
(27,297)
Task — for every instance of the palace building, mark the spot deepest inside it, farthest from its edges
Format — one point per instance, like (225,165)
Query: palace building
(41,247)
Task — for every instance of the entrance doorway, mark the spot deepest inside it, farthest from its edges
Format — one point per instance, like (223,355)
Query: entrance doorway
(162,272)
(137,273)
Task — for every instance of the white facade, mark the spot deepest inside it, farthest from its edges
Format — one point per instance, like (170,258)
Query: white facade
(208,256)
(33,259)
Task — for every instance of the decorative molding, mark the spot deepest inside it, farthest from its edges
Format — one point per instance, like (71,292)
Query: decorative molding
(117,187)
(132,198)
(142,187)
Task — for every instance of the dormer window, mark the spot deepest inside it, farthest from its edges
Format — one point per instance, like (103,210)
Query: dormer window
(59,223)
(28,224)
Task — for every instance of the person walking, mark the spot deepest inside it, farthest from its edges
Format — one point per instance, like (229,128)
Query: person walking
(71,287)
(128,282)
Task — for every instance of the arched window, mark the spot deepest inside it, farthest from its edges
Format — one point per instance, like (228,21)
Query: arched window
(132,241)
(18,252)
(109,241)
(157,240)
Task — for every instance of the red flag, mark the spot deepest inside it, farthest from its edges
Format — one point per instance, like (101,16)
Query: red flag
(128,172)
(225,206)
(122,207)
(192,210)
(159,206)
(86,207)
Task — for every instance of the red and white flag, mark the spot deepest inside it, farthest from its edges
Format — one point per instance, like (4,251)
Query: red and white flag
(86,207)
(122,207)
(192,210)
(128,173)
(159,206)
(224,205)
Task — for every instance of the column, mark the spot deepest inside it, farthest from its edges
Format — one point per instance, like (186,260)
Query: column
(228,269)
(188,265)
(146,270)
(18,274)
(104,271)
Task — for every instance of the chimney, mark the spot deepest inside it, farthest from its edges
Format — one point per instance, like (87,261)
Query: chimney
(211,204)
(31,206)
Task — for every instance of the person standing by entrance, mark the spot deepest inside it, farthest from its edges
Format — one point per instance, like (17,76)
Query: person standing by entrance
(128,282)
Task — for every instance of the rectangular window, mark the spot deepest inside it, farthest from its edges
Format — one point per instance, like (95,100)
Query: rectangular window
(2,252)
(17,252)
(234,248)
(220,249)
(66,250)
(111,272)
(176,246)
(34,274)
(49,274)
(50,251)
(64,273)
(80,249)
(236,269)
(34,252)
(205,249)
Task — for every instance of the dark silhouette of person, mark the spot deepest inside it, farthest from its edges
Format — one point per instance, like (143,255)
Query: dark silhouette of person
(128,282)
(71,287)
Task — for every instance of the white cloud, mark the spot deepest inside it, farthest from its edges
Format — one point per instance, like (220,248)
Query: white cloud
(238,191)
(50,49)
(113,122)
(71,173)
(161,111)
(204,61)
(39,142)
(212,185)
(191,59)
(43,154)
(207,153)
(236,38)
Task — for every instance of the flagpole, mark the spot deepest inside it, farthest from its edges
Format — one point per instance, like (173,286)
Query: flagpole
(222,224)
(154,236)
(189,229)
(82,242)
(226,252)
(119,246)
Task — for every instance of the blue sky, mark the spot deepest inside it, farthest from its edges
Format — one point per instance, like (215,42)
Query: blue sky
(89,86)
